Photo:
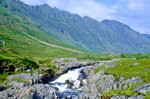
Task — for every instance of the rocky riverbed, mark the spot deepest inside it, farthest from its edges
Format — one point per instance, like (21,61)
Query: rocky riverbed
(38,85)
(74,80)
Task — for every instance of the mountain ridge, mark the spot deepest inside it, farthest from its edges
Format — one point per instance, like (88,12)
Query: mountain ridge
(82,32)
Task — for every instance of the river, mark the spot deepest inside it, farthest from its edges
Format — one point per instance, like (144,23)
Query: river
(63,90)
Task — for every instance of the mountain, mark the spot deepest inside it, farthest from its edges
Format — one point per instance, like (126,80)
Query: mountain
(25,40)
(108,36)
(146,35)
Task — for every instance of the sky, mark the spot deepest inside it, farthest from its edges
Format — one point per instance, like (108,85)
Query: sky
(135,13)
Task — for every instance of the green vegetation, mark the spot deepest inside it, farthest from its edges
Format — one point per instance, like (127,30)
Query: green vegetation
(131,68)
(128,68)
(89,91)
(147,95)
(22,27)
(3,77)
(137,56)
(97,57)
(126,92)
(99,68)
(20,81)
(46,23)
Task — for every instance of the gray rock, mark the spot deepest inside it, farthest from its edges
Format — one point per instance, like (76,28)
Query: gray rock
(38,91)
(83,82)
(82,76)
(28,70)
(2,87)
(31,78)
(142,89)
(84,95)
(68,97)
(125,97)
(110,65)
(136,97)
(16,85)
(77,84)
(136,64)
(147,68)
(61,60)
(118,97)
(101,82)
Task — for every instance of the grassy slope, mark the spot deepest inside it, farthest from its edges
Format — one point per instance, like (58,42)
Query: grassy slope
(19,46)
(14,30)
(14,34)
(127,68)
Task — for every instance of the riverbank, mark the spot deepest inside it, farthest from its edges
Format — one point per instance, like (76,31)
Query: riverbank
(123,79)
(104,79)
(37,84)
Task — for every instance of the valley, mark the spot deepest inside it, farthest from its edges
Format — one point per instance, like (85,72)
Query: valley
(47,53)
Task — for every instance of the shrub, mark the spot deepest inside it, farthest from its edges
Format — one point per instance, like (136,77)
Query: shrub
(30,63)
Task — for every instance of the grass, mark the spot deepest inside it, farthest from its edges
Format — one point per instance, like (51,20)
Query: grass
(128,68)
(3,77)
(22,50)
(89,91)
(18,36)
(98,69)
(20,81)
(126,92)
(147,95)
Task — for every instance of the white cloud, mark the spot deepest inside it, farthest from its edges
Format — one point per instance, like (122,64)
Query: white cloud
(52,3)
(85,8)
(32,2)
(89,8)
(82,7)
(134,13)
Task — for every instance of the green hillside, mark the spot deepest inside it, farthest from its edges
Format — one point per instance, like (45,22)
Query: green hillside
(82,32)
(21,38)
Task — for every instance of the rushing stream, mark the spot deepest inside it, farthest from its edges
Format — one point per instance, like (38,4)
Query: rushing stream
(63,87)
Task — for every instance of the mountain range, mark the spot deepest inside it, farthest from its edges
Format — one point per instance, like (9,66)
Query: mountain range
(107,36)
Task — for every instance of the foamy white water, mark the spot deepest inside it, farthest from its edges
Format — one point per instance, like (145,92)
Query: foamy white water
(70,75)
(62,86)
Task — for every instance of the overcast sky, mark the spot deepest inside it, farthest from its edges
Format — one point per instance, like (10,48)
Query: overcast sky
(135,13)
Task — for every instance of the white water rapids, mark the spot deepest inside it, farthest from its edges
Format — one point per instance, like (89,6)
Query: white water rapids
(62,86)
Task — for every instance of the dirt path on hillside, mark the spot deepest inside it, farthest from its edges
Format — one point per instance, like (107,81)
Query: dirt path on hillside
(52,45)
(49,44)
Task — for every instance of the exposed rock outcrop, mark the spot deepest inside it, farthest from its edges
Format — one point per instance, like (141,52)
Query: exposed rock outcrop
(37,91)
(125,97)
(31,78)
(29,86)
(142,89)
(98,83)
